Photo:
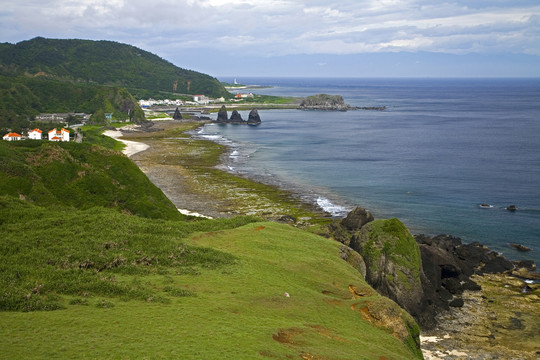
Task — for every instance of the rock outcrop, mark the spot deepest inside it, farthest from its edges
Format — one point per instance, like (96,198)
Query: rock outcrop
(424,275)
(325,102)
(393,262)
(177,115)
(236,118)
(254,118)
(222,116)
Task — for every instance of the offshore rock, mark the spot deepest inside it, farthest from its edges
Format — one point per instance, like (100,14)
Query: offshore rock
(254,118)
(222,116)
(325,102)
(236,118)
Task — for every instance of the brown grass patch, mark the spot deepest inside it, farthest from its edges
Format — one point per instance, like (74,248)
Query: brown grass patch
(259,228)
(288,336)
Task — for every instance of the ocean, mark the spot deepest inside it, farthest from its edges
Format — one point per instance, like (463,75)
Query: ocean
(440,149)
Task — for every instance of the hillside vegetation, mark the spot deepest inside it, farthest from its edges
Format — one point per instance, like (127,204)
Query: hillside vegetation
(95,77)
(96,263)
(128,287)
(81,176)
(23,97)
(106,63)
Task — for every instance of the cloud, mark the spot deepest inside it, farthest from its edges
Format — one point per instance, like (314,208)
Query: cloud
(285,27)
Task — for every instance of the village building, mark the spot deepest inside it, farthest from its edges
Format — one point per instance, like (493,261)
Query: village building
(201,99)
(12,136)
(35,134)
(59,135)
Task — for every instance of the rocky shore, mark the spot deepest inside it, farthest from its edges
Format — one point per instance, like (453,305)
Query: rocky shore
(470,302)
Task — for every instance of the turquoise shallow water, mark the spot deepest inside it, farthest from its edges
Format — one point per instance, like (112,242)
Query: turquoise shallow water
(440,149)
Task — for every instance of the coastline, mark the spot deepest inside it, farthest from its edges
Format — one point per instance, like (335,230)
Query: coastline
(189,171)
(445,342)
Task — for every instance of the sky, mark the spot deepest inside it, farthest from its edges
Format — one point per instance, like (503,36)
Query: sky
(318,38)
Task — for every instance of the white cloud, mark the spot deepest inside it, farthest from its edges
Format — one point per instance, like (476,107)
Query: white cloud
(286,26)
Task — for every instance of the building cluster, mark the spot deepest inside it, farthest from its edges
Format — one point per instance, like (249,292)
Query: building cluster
(197,100)
(36,134)
(62,117)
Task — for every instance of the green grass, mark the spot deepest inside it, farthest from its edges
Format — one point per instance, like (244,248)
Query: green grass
(81,176)
(229,305)
(93,134)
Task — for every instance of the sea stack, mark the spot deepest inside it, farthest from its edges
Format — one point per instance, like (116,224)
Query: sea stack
(222,116)
(236,118)
(254,118)
(177,115)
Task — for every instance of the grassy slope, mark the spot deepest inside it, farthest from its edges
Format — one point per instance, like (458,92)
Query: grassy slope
(124,286)
(232,306)
(79,175)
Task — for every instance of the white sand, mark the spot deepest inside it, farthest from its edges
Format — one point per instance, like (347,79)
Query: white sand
(191,213)
(132,147)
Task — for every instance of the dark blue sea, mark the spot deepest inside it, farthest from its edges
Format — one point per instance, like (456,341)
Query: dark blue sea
(440,149)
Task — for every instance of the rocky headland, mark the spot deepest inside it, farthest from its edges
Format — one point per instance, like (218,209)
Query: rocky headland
(469,299)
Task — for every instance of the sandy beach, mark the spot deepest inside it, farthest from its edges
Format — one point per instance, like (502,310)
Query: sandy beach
(132,147)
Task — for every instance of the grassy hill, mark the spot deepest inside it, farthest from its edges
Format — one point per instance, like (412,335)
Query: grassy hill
(96,263)
(106,63)
(81,176)
(213,289)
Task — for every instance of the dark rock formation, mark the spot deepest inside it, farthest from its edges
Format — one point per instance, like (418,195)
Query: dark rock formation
(254,118)
(511,208)
(177,115)
(236,118)
(222,116)
(357,218)
(520,247)
(325,102)
(424,275)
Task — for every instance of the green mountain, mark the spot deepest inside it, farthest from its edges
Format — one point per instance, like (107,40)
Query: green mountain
(106,63)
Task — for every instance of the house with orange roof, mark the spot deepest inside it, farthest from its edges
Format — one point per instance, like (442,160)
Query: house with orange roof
(35,134)
(12,136)
(59,135)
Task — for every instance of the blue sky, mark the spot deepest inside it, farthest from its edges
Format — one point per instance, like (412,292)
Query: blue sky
(358,38)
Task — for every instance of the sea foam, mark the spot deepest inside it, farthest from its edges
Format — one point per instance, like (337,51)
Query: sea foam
(328,206)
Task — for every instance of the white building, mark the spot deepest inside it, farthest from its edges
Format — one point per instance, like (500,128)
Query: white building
(12,136)
(61,135)
(35,134)
(201,99)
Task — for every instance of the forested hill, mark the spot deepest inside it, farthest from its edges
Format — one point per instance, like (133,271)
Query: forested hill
(105,63)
